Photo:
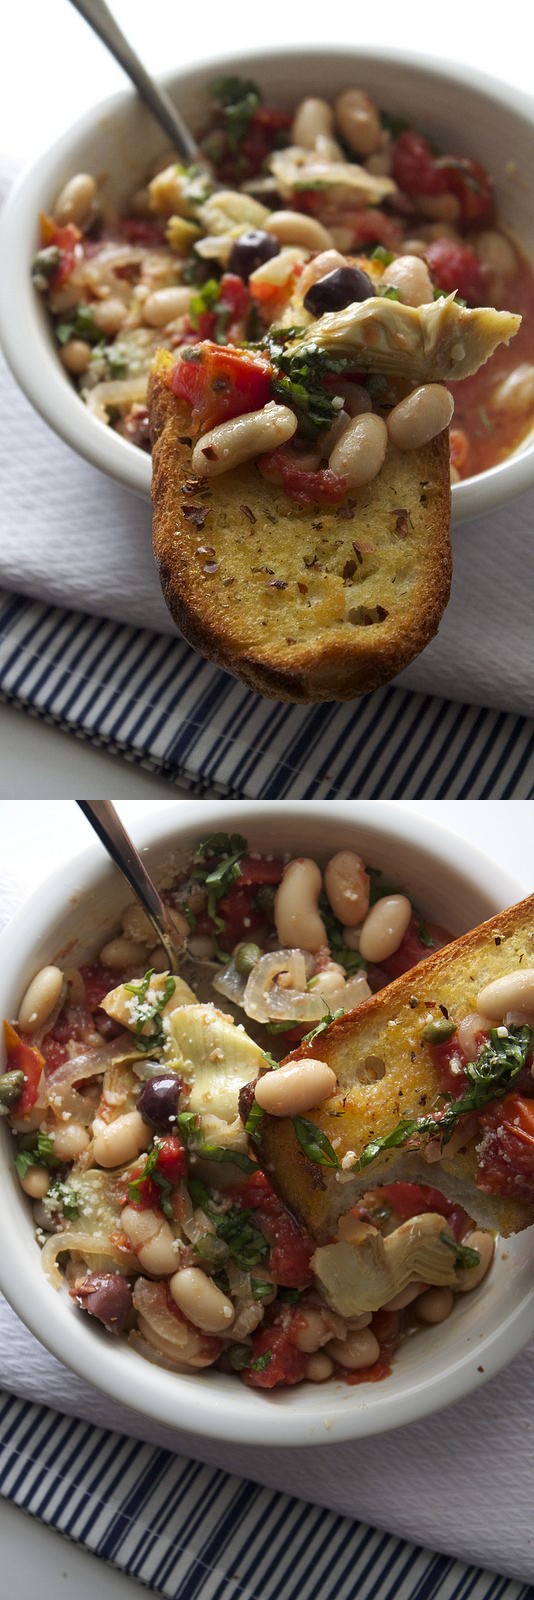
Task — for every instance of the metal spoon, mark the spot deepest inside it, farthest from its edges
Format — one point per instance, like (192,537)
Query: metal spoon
(108,826)
(103,24)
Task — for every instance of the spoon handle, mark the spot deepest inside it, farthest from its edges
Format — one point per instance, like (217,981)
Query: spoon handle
(108,826)
(98,16)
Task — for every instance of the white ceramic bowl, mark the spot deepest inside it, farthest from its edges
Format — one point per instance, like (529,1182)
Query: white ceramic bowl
(460,107)
(78,908)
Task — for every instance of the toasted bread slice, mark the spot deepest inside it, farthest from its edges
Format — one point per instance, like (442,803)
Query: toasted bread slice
(389,1027)
(301,603)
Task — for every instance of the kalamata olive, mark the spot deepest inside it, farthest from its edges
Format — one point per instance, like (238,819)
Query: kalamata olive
(251,251)
(106,1295)
(338,289)
(158,1101)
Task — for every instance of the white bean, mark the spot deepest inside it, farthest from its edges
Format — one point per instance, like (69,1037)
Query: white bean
(435,1305)
(75,202)
(158,959)
(311,118)
(35,1183)
(444,207)
(165,305)
(358,122)
(415,247)
(40,999)
(384,927)
(152,1240)
(421,416)
(326,261)
(70,1141)
(380,164)
(75,356)
(137,926)
(199,1299)
(294,227)
(122,955)
(109,315)
(242,438)
(315,1328)
(513,992)
(295,1088)
(298,922)
(119,1141)
(496,251)
(400,1301)
(327,149)
(468,1278)
(516,392)
(356,398)
(201,947)
(319,1367)
(357,1351)
(359,454)
(347,886)
(411,277)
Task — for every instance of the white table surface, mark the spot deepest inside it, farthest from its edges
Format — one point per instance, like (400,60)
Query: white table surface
(52,68)
(45,833)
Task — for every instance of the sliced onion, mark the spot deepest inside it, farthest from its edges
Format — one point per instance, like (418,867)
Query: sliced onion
(267,1001)
(121,392)
(147,1350)
(231,983)
(88,1244)
(88,1063)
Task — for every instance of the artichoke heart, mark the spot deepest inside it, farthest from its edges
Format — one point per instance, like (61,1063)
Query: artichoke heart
(296,168)
(123,1007)
(362,1276)
(427,344)
(215,1056)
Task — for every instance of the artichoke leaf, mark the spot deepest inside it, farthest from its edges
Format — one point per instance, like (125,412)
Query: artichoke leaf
(213,1055)
(431,343)
(363,1276)
(123,1007)
(296,168)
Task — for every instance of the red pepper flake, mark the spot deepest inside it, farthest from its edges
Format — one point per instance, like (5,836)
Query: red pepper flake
(276,583)
(403,520)
(204,550)
(302,588)
(211,566)
(349,569)
(248,513)
(196,514)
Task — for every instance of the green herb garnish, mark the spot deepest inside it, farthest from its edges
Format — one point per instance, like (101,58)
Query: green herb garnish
(81,325)
(35,1150)
(236,1227)
(387,293)
(260,1289)
(189,1126)
(261,1362)
(67,1198)
(205,300)
(253,1121)
(331,1016)
(150,1170)
(289,1297)
(238,1356)
(381,254)
(150,1011)
(314,1143)
(351,960)
(464,1255)
(238,100)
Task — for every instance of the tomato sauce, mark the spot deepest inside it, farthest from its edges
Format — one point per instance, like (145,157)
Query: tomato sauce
(491,434)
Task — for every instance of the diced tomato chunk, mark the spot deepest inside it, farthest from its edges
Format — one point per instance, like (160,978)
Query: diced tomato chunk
(450,1063)
(259,870)
(457,266)
(411,950)
(505,1154)
(240,916)
(137,230)
(23,1057)
(219,382)
(172,1159)
(291,1248)
(413,1199)
(286,1364)
(98,981)
(414,167)
(148,1195)
(469,181)
(307,488)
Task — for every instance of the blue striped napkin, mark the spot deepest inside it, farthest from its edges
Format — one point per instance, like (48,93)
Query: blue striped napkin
(195,1533)
(150,698)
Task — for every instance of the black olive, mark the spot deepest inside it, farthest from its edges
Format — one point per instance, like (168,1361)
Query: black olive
(338,289)
(250,251)
(106,1295)
(158,1101)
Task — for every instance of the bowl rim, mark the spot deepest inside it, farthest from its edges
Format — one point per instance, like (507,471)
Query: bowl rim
(46,385)
(207,1411)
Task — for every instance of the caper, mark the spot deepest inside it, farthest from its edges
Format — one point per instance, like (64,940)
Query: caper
(11,1086)
(44,266)
(245,958)
(438,1032)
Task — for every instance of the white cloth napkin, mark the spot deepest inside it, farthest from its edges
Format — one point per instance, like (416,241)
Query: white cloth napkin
(461,1482)
(72,537)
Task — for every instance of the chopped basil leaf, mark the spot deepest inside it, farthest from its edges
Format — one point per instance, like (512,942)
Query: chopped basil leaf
(261,1362)
(331,1016)
(191,1132)
(238,1356)
(269,1059)
(381,254)
(244,1240)
(221,1280)
(67,1198)
(81,325)
(238,100)
(387,293)
(205,300)
(150,1011)
(464,1255)
(35,1150)
(289,1297)
(392,124)
(314,1143)
(253,1121)
(260,1289)
(150,1170)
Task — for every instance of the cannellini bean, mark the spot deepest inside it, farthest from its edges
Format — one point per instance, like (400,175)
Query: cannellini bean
(294,227)
(327,149)
(201,947)
(415,247)
(356,398)
(242,438)
(468,1278)
(516,392)
(400,1301)
(36,1182)
(70,1141)
(152,1239)
(319,1367)
(334,433)
(513,992)
(380,164)
(40,999)
(421,416)
(326,261)
(75,356)
(496,251)
(444,207)
(298,922)
(199,1299)
(158,959)
(411,277)
(358,1350)
(76,200)
(137,926)
(311,118)
(295,1088)
(165,305)
(359,454)
(109,315)
(351,937)
(119,1141)
(122,955)
(347,886)
(384,927)
(315,1328)
(435,1305)
(358,122)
